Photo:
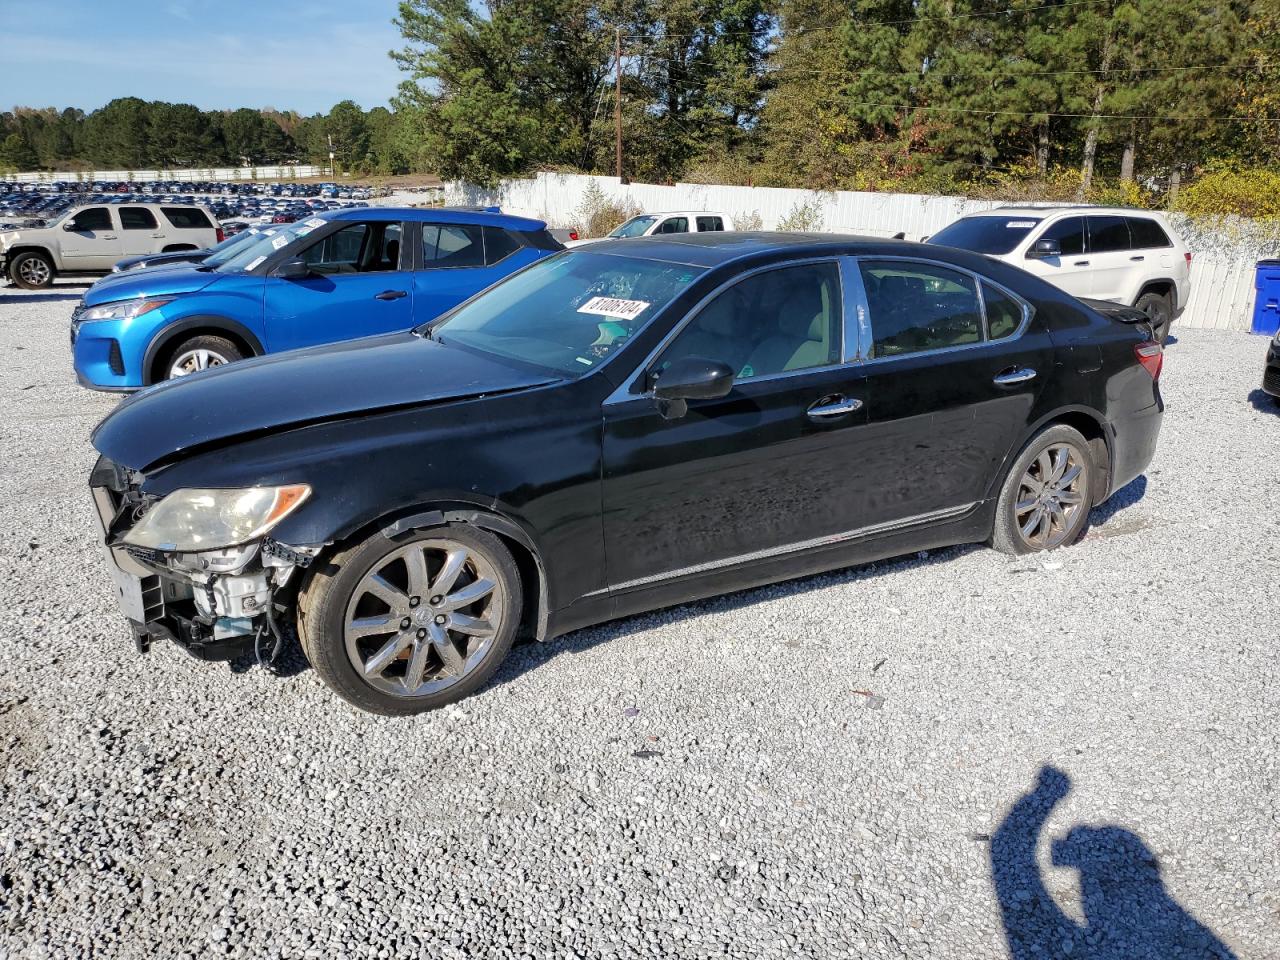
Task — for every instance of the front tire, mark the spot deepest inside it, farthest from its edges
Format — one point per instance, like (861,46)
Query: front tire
(1045,501)
(32,271)
(199,353)
(1159,311)
(401,626)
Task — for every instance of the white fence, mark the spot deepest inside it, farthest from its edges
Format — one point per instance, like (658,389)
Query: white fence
(289,172)
(1222,276)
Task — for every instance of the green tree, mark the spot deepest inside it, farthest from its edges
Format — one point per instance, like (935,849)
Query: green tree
(17,154)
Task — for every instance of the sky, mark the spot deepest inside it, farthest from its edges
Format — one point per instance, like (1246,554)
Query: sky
(220,55)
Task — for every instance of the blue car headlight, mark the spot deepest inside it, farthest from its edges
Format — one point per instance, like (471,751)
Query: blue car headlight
(123,309)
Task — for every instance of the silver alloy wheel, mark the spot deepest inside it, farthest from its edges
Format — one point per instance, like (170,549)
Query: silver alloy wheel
(1050,494)
(423,617)
(34,271)
(189,361)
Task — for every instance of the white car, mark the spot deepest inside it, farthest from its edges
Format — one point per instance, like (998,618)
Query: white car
(651,224)
(1101,253)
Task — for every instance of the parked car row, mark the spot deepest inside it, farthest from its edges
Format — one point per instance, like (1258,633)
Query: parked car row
(530,439)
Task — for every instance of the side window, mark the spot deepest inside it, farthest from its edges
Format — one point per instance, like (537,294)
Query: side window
(137,218)
(772,322)
(709,223)
(95,218)
(1108,234)
(919,307)
(358,248)
(674,225)
(498,244)
(452,245)
(1069,233)
(1004,314)
(187,218)
(1147,233)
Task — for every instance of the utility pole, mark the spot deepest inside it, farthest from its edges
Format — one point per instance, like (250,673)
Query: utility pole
(617,101)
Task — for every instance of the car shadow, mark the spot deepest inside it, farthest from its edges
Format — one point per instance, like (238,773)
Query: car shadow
(1128,913)
(20,298)
(1264,402)
(1122,499)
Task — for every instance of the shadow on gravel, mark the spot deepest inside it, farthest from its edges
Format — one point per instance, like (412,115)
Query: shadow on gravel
(21,298)
(1123,498)
(1128,914)
(1264,402)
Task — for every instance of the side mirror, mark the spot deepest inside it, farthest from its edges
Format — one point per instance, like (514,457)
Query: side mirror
(295,268)
(689,378)
(1044,250)
(69,225)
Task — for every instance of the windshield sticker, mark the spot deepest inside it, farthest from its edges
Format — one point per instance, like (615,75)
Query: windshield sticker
(314,222)
(584,360)
(254,263)
(278,242)
(303,231)
(1020,224)
(611,307)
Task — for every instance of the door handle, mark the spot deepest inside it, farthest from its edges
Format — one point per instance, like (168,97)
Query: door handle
(1139,258)
(1012,376)
(829,408)
(390,295)
(1081,263)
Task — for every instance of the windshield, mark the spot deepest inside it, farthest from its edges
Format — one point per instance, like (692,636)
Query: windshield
(985,234)
(224,251)
(251,253)
(635,227)
(568,313)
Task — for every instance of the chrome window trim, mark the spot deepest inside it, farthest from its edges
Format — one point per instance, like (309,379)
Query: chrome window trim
(771,553)
(1028,311)
(626,390)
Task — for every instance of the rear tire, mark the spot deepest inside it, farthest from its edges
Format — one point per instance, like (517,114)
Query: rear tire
(401,626)
(198,353)
(1045,500)
(32,271)
(1160,312)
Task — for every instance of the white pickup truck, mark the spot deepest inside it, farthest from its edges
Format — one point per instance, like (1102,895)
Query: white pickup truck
(651,224)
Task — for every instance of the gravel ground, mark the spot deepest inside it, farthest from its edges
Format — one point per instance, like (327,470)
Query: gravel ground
(824,768)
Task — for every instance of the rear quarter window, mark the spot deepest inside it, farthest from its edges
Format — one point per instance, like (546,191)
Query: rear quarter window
(187,218)
(1147,233)
(709,223)
(498,244)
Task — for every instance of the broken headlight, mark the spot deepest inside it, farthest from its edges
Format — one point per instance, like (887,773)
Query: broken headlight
(195,520)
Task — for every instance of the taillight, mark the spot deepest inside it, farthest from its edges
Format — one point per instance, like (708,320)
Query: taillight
(1151,355)
(1188,255)
(220,235)
(573,234)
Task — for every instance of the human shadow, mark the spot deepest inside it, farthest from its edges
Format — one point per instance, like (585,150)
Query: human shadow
(1128,914)
(1264,402)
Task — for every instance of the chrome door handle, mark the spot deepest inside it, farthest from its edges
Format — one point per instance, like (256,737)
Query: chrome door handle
(1007,378)
(828,408)
(390,295)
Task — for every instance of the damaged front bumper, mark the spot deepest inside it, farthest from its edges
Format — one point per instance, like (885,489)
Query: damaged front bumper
(215,604)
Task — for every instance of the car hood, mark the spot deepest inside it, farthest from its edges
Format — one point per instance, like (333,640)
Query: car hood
(295,389)
(176,259)
(180,278)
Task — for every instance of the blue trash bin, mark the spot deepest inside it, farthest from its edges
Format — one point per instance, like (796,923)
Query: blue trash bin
(1266,306)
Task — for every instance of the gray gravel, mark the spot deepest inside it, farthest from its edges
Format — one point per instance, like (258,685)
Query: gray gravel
(823,768)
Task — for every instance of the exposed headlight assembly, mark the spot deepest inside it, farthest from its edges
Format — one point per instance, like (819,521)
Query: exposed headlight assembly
(194,520)
(123,309)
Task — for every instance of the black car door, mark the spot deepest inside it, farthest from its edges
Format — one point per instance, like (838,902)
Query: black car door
(956,366)
(759,469)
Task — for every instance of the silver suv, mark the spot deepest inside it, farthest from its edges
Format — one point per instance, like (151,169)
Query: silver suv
(90,239)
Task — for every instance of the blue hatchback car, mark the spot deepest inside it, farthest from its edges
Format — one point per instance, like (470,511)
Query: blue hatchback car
(333,276)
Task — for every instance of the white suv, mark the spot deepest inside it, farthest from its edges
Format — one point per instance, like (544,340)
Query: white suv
(1101,253)
(653,224)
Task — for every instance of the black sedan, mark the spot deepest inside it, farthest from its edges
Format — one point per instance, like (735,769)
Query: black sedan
(1271,370)
(617,428)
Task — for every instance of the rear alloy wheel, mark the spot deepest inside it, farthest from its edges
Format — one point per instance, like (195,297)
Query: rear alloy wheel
(31,271)
(1045,501)
(200,353)
(409,625)
(1159,312)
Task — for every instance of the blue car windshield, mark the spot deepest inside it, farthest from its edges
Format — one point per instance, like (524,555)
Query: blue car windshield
(224,251)
(568,313)
(253,252)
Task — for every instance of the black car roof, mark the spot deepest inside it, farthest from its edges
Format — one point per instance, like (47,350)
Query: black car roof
(711,249)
